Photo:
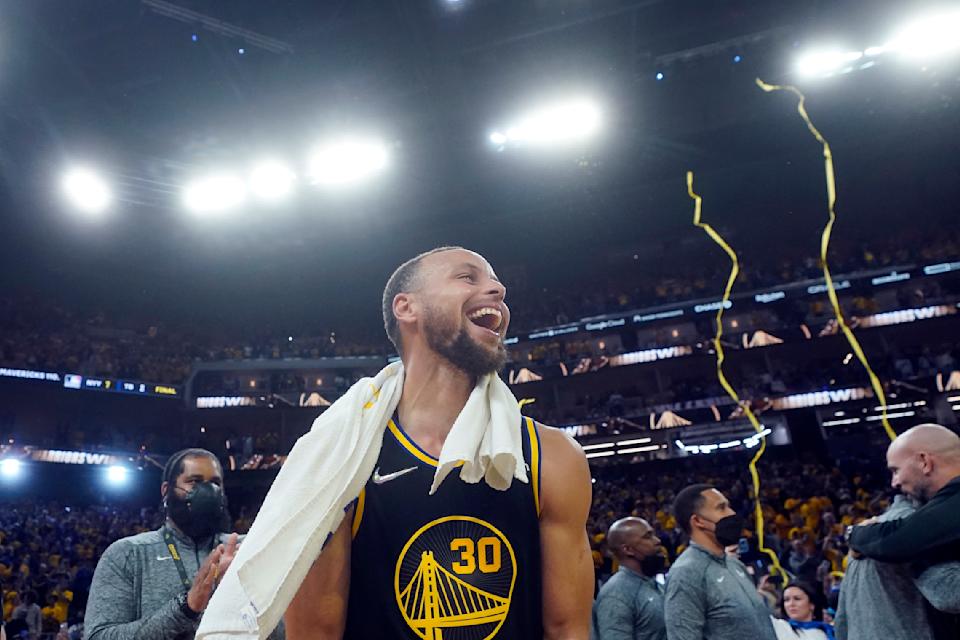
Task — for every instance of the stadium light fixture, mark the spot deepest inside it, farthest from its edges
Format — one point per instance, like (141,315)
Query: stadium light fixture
(561,123)
(827,62)
(347,161)
(271,181)
(116,475)
(214,194)
(931,35)
(86,190)
(10,467)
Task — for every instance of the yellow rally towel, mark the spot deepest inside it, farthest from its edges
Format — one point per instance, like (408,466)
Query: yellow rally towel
(325,472)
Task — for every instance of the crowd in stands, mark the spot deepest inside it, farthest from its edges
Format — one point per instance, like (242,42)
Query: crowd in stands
(47,556)
(48,551)
(43,336)
(632,280)
(917,367)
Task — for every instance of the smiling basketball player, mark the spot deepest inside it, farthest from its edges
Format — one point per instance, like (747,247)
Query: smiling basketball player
(468,562)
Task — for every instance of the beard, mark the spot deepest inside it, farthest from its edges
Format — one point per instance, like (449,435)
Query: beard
(458,348)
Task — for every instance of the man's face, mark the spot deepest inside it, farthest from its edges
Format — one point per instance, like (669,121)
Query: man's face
(715,508)
(909,472)
(464,317)
(196,469)
(642,542)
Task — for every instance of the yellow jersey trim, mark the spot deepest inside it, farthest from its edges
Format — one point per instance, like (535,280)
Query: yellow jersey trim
(534,461)
(411,446)
(358,512)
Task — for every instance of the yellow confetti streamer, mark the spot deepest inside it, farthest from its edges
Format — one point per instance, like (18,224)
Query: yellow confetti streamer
(718,347)
(825,245)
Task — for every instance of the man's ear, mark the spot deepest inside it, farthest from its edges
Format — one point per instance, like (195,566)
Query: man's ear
(405,308)
(926,462)
(695,520)
(164,488)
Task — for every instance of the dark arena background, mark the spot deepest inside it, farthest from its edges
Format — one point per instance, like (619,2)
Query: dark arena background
(201,203)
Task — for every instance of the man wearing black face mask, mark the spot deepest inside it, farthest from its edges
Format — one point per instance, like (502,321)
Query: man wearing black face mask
(155,585)
(709,594)
(630,604)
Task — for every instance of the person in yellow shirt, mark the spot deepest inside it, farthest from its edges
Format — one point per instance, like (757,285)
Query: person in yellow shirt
(61,606)
(9,602)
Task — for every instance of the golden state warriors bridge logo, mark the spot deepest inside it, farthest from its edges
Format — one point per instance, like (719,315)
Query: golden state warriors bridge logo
(454,579)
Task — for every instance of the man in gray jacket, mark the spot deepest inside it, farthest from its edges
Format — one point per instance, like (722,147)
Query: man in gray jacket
(709,594)
(630,605)
(886,600)
(155,585)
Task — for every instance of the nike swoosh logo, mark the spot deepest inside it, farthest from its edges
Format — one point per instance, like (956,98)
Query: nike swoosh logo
(720,579)
(164,557)
(379,479)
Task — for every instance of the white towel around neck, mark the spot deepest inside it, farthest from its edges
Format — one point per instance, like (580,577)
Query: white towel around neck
(322,476)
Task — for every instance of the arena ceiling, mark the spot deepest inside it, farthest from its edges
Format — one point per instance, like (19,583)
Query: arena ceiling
(153,97)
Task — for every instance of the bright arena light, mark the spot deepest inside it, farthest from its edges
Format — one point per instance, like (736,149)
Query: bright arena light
(498,138)
(347,161)
(826,62)
(929,36)
(10,467)
(86,190)
(561,123)
(116,474)
(271,181)
(214,194)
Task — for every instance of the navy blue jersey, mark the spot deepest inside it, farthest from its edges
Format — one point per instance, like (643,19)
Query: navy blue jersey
(462,564)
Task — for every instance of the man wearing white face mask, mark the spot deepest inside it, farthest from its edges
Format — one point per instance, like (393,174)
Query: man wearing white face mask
(709,594)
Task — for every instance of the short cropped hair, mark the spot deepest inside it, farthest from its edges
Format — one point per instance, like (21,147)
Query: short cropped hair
(174,466)
(403,280)
(688,502)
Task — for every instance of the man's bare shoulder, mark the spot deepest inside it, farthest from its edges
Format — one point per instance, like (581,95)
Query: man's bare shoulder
(565,473)
(558,444)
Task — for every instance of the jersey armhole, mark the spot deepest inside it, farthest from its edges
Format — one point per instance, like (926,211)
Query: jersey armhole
(358,512)
(536,460)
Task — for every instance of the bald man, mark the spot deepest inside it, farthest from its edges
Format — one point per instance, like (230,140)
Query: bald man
(925,464)
(630,605)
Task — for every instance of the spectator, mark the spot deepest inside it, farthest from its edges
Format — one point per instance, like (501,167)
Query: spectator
(802,611)
(630,605)
(29,612)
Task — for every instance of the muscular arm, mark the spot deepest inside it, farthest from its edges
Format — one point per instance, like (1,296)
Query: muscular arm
(565,551)
(319,610)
